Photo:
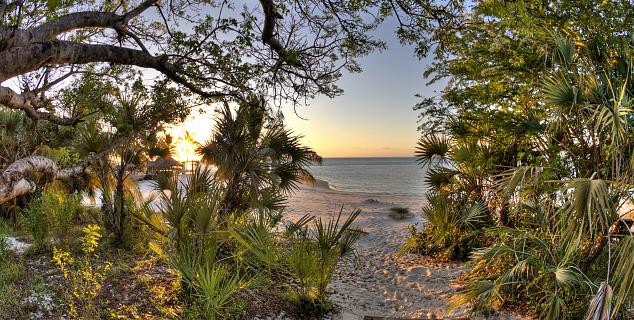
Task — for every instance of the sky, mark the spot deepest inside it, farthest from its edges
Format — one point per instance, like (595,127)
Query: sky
(374,116)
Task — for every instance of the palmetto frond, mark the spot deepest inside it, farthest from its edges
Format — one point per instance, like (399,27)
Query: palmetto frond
(589,207)
(91,139)
(509,181)
(564,48)
(472,215)
(623,273)
(439,178)
(611,115)
(254,152)
(433,147)
(558,90)
(599,308)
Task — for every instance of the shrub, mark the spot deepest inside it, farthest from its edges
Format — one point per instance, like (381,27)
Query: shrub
(51,215)
(523,262)
(188,233)
(83,275)
(399,213)
(452,230)
(313,255)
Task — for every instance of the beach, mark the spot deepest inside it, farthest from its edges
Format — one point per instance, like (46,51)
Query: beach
(382,284)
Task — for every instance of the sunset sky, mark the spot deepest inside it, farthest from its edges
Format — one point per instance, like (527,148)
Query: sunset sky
(374,116)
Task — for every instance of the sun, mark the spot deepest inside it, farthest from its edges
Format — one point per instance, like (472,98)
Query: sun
(185,150)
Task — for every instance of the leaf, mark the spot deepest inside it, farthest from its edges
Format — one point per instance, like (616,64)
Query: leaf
(599,308)
(52,5)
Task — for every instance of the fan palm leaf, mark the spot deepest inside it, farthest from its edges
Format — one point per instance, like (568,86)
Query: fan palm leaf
(433,147)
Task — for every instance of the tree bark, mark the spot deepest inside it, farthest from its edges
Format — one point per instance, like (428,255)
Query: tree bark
(11,38)
(14,181)
(598,246)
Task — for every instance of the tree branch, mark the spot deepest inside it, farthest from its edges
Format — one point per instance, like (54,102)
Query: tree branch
(21,60)
(10,38)
(25,102)
(14,180)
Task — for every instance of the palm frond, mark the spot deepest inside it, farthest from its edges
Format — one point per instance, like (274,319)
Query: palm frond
(599,308)
(623,274)
(433,147)
(558,90)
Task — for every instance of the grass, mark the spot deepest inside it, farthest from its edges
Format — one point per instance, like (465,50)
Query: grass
(11,292)
(399,213)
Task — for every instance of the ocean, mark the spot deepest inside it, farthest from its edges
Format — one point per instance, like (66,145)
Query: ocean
(401,176)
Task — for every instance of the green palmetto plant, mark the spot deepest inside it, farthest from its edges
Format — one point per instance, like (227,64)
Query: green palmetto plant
(569,257)
(433,147)
(112,177)
(529,266)
(455,211)
(188,233)
(315,252)
(257,158)
(305,255)
(449,229)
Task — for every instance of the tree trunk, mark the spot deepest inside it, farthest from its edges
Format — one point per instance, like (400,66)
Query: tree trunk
(119,211)
(598,246)
(14,181)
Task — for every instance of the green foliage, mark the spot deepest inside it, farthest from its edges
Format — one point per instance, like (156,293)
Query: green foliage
(314,254)
(258,159)
(83,276)
(530,268)
(534,159)
(452,229)
(399,213)
(12,276)
(51,215)
(188,233)
(219,256)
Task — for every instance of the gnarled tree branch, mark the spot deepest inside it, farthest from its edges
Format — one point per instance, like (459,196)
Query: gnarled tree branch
(11,38)
(26,102)
(14,181)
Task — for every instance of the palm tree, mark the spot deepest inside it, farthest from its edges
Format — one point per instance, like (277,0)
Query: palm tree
(188,142)
(571,239)
(112,177)
(258,159)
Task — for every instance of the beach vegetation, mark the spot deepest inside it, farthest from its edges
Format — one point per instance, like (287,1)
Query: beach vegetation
(83,275)
(399,213)
(530,165)
(258,159)
(49,217)
(315,250)
(218,256)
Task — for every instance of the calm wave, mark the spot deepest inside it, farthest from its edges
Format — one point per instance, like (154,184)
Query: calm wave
(372,175)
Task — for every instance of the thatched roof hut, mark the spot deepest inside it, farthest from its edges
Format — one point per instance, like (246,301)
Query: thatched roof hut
(163,164)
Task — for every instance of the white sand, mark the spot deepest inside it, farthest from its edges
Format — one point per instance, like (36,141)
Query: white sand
(383,284)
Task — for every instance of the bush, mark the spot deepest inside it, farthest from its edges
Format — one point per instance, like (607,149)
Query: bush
(399,213)
(51,215)
(313,254)
(188,234)
(524,262)
(452,229)
(218,256)
(84,275)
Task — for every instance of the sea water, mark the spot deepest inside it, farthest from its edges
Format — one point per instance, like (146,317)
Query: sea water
(402,176)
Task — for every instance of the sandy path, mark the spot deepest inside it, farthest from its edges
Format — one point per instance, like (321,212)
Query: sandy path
(383,284)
